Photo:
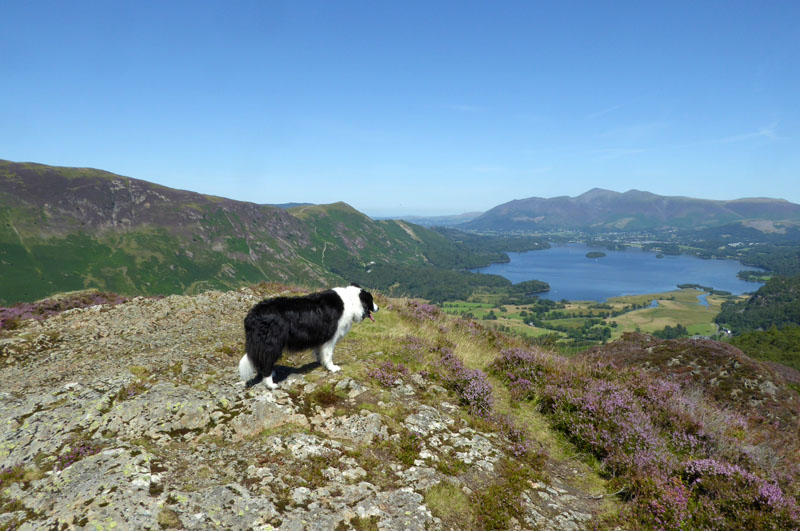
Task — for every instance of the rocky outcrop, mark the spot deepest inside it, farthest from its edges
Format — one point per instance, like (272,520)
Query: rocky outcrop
(132,417)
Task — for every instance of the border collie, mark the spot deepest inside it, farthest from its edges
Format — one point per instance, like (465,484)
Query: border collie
(316,321)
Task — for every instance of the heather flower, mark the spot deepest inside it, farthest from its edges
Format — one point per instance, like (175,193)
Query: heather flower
(422,312)
(77,452)
(387,373)
(655,438)
(11,474)
(471,385)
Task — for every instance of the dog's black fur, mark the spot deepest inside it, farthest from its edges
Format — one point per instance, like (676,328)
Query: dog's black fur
(316,321)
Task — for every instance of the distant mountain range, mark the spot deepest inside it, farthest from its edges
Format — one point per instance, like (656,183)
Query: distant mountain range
(64,229)
(442,221)
(604,210)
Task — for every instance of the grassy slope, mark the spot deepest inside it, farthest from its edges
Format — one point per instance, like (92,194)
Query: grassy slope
(479,347)
(478,351)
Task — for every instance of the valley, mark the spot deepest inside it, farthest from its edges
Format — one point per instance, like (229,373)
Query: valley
(66,229)
(575,325)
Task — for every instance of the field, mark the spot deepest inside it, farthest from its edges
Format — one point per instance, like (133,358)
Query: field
(675,307)
(585,321)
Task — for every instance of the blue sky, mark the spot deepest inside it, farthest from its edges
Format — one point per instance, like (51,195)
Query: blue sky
(409,107)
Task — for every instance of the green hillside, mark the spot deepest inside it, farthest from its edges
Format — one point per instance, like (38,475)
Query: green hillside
(66,229)
(775,304)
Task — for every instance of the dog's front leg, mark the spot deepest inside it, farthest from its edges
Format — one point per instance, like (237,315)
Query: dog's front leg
(326,357)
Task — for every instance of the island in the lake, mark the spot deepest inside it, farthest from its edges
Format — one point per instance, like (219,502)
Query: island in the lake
(595,254)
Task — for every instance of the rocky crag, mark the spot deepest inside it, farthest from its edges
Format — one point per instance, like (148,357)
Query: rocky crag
(130,416)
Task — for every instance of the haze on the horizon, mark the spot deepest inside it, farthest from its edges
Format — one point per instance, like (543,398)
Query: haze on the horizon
(409,108)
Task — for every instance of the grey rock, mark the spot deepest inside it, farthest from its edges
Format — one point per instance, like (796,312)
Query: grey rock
(363,428)
(427,421)
(226,506)
(113,486)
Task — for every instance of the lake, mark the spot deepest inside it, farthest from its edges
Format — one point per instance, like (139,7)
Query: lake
(572,276)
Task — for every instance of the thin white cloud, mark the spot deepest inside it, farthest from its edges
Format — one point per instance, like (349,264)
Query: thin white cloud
(536,171)
(768,132)
(460,108)
(612,153)
(513,171)
(603,112)
(489,169)
(635,132)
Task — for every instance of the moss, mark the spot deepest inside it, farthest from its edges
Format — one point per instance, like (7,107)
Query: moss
(450,504)
(324,396)
(287,428)
(309,471)
(375,460)
(140,371)
(231,350)
(407,448)
(168,519)
(451,465)
(501,500)
(364,523)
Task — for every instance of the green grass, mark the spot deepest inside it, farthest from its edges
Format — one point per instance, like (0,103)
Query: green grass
(449,503)
(684,309)
(675,307)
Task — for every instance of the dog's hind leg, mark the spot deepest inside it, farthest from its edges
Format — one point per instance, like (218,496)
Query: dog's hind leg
(248,371)
(253,381)
(268,381)
(252,376)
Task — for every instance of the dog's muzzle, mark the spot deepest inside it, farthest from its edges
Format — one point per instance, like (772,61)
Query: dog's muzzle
(369,314)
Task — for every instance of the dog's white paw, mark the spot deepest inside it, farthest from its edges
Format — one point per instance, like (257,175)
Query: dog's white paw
(269,383)
(333,368)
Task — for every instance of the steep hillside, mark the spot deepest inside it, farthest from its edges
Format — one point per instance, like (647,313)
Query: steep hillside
(634,210)
(128,414)
(354,238)
(64,229)
(775,304)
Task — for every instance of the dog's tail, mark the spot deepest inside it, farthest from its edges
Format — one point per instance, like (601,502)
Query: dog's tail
(247,371)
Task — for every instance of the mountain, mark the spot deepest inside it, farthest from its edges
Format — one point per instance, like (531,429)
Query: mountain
(605,210)
(442,221)
(64,229)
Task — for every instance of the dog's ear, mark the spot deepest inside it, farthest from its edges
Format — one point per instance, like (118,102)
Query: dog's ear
(355,285)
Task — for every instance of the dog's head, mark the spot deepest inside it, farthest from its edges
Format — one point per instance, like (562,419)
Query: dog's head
(367,303)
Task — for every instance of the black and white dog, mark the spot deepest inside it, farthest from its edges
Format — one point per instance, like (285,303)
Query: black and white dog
(316,321)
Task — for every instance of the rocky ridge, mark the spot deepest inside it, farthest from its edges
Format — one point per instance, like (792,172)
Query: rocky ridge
(131,416)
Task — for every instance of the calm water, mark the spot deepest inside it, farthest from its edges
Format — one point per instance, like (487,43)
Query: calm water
(572,276)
